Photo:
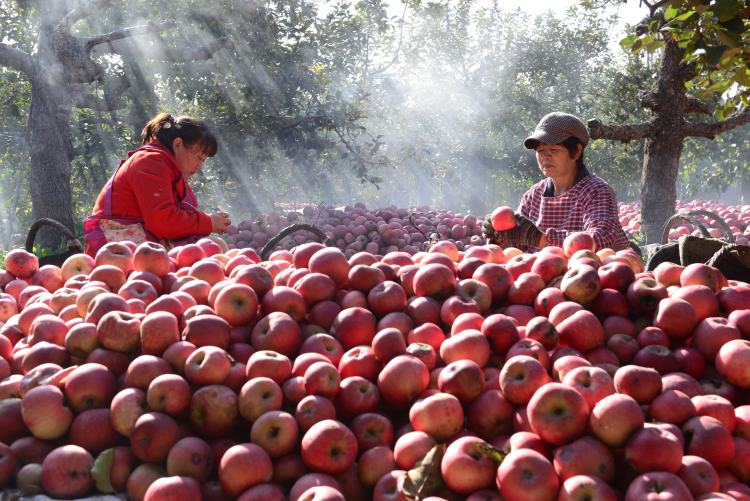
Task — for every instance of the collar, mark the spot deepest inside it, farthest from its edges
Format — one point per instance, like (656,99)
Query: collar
(549,190)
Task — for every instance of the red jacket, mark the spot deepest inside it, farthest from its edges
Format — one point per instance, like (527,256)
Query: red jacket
(148,185)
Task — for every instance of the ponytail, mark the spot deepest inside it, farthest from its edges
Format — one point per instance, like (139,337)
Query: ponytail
(166,128)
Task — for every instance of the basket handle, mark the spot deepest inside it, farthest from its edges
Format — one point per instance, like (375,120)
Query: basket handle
(291,229)
(687,216)
(718,219)
(39,223)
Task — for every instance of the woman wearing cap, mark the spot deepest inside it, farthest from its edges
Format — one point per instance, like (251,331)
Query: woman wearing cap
(570,200)
(148,198)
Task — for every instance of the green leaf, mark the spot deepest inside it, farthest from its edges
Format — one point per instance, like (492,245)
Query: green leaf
(726,9)
(100,470)
(654,46)
(628,42)
(424,479)
(670,13)
(684,17)
(587,4)
(494,453)
(742,77)
(714,53)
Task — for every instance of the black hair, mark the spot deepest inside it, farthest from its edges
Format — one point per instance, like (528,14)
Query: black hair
(571,144)
(166,128)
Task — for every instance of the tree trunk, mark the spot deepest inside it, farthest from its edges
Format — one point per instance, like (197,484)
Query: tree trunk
(663,149)
(51,150)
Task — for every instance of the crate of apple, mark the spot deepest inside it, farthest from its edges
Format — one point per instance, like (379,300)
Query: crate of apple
(205,373)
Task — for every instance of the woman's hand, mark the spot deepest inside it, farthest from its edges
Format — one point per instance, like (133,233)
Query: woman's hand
(219,222)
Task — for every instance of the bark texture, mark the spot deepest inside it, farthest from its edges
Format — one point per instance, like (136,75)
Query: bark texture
(60,61)
(664,134)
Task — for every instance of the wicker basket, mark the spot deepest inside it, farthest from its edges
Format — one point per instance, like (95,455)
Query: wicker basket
(731,259)
(74,246)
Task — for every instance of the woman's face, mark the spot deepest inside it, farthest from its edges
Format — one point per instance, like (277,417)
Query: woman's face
(189,158)
(554,160)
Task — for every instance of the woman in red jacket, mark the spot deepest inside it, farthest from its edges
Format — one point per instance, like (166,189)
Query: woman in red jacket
(148,198)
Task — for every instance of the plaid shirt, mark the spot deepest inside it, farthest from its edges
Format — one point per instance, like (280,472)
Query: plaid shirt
(590,206)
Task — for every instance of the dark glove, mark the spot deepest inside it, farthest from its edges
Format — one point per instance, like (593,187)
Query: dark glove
(525,232)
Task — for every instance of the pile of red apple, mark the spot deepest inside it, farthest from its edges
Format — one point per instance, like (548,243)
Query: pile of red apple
(203,373)
(356,229)
(736,217)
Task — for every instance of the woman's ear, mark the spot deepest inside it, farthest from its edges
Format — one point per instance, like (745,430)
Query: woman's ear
(177,143)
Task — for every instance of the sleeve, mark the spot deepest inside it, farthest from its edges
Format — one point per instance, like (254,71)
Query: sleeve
(599,220)
(156,198)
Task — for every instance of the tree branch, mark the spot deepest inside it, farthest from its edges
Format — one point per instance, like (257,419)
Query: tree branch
(111,101)
(647,100)
(148,29)
(711,130)
(695,105)
(624,133)
(82,12)
(167,54)
(16,59)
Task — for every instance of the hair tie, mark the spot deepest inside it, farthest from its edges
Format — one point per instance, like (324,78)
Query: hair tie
(169,121)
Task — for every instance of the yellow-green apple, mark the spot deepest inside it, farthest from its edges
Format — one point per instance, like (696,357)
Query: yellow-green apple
(329,446)
(525,474)
(29,475)
(284,299)
(168,393)
(355,396)
(258,396)
(90,386)
(465,468)
(440,416)
(78,264)
(213,411)
(654,450)
(66,472)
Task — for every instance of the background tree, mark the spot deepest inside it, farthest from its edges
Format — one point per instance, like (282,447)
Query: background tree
(704,50)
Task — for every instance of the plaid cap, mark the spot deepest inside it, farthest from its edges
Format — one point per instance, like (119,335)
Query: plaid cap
(556,128)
